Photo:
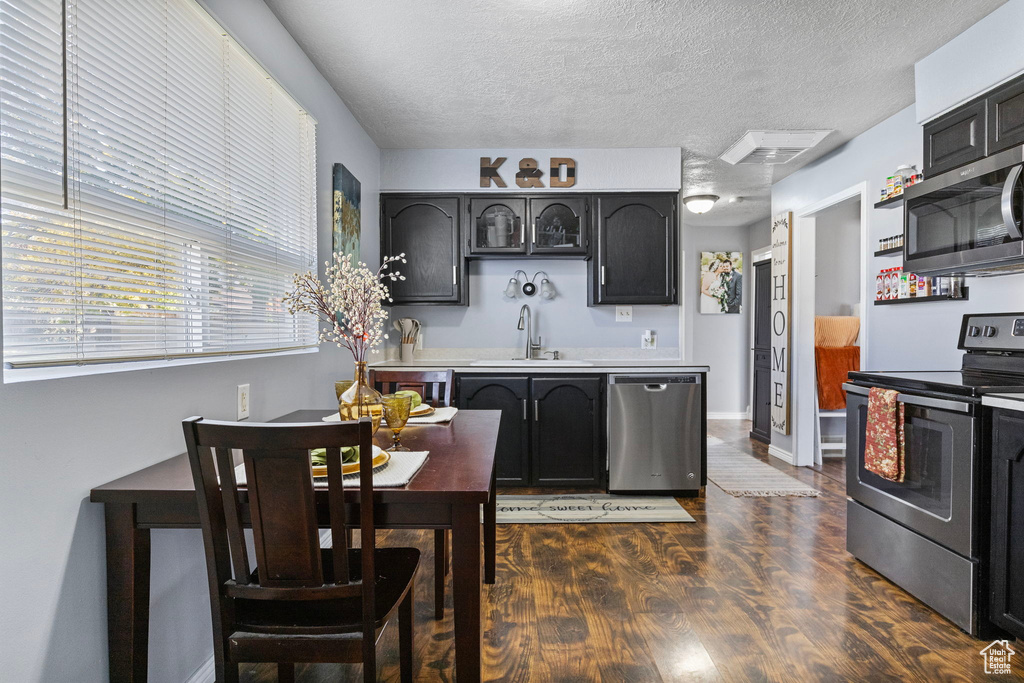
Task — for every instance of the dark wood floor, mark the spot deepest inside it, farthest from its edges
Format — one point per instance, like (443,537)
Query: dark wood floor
(759,589)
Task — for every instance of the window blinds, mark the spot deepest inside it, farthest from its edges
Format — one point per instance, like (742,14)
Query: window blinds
(157,187)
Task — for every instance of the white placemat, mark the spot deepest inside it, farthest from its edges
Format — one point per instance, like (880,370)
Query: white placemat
(437,417)
(443,414)
(396,473)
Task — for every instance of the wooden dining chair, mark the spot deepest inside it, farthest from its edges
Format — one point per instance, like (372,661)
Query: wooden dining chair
(435,386)
(301,602)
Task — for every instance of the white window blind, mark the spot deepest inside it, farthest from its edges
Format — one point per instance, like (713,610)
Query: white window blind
(157,187)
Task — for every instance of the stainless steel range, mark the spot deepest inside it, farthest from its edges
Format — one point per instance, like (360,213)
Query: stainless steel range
(928,533)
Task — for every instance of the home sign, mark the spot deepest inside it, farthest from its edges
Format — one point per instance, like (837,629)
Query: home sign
(782,231)
(530,175)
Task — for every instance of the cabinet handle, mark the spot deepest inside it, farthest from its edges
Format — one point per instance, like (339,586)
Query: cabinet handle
(535,231)
(536,410)
(525,416)
(602,275)
(455,275)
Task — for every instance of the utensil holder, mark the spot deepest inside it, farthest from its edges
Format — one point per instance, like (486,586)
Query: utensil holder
(407,352)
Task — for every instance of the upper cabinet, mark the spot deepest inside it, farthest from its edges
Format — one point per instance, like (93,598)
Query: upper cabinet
(954,139)
(1006,116)
(513,225)
(635,261)
(497,225)
(426,228)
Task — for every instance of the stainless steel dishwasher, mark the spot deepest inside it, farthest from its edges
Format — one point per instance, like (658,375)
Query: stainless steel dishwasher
(656,433)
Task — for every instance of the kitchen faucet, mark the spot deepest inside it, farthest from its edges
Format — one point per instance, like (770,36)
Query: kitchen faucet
(526,322)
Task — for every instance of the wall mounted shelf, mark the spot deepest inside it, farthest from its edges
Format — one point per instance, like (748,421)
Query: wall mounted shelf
(922,299)
(889,252)
(890,203)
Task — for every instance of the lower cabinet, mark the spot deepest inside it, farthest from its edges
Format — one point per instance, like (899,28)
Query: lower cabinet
(1006,586)
(551,427)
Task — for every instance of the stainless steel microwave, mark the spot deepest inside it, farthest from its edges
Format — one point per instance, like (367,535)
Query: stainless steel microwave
(968,220)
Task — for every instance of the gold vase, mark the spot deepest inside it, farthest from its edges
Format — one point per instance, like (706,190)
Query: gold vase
(361,400)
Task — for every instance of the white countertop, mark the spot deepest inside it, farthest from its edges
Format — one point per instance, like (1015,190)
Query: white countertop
(547,367)
(1008,401)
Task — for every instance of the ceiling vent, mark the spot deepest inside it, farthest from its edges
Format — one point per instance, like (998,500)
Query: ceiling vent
(772,146)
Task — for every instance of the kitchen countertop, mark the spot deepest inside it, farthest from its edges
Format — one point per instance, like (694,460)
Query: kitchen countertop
(548,367)
(1008,401)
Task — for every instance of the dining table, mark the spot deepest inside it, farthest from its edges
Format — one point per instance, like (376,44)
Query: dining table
(448,492)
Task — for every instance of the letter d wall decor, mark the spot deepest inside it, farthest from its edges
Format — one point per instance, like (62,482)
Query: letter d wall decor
(782,230)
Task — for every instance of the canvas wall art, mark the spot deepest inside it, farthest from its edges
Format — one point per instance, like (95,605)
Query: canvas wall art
(721,281)
(347,220)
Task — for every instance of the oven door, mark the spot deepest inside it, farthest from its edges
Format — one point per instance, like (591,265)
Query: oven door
(967,220)
(935,498)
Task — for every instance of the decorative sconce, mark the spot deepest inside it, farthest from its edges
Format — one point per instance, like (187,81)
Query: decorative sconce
(529,287)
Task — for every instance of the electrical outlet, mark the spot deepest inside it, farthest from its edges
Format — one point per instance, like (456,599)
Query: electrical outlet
(243,401)
(649,340)
(623,314)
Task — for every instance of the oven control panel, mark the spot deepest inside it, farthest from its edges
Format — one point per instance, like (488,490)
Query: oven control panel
(1003,332)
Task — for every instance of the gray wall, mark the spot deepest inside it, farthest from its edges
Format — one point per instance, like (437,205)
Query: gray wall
(721,341)
(837,259)
(62,437)
(760,233)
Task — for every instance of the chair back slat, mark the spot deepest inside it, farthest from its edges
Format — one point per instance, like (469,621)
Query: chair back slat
(435,386)
(232,514)
(282,507)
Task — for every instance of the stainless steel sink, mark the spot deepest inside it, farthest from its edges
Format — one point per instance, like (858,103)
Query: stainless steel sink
(541,363)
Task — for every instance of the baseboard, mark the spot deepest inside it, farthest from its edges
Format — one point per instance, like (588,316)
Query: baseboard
(777,452)
(728,416)
(206,673)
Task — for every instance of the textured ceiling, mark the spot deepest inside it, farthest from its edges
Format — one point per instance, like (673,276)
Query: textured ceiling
(695,74)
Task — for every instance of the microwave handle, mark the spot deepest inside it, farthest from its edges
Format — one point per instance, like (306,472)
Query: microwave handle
(1012,227)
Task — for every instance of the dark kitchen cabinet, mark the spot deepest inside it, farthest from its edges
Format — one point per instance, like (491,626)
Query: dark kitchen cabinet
(1006,585)
(955,139)
(567,430)
(497,225)
(426,228)
(635,260)
(559,225)
(551,427)
(510,395)
(1006,116)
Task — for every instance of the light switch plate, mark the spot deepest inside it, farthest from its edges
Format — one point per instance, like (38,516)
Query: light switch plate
(623,314)
(243,401)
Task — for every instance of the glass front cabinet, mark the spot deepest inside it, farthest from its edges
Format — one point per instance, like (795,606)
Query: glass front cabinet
(548,225)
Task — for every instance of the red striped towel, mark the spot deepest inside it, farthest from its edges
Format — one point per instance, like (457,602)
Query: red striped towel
(884,438)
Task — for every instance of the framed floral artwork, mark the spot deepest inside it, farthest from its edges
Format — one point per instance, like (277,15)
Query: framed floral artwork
(721,282)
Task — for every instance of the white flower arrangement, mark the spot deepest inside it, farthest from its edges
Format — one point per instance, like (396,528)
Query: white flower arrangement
(350,307)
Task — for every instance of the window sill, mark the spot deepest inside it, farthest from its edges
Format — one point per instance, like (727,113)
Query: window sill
(14,376)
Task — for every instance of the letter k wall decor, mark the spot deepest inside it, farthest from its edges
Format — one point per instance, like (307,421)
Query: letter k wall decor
(782,230)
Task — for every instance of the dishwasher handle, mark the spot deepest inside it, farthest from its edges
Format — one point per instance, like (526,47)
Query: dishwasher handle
(655,387)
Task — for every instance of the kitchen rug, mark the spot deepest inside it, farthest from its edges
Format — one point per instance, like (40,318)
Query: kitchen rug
(589,508)
(743,475)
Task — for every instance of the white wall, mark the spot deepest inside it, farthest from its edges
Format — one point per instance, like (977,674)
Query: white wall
(566,321)
(720,341)
(59,438)
(837,259)
(987,53)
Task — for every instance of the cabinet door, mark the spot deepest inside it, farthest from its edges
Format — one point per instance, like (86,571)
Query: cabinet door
(1007,547)
(497,225)
(1006,117)
(510,396)
(426,230)
(567,427)
(558,225)
(636,250)
(954,139)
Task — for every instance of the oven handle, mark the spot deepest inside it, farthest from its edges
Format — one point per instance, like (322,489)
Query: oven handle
(911,400)
(1007,203)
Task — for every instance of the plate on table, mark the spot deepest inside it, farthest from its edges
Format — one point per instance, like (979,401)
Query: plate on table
(380,457)
(422,410)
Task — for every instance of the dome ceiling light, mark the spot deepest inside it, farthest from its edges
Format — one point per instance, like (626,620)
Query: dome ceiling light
(700,203)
